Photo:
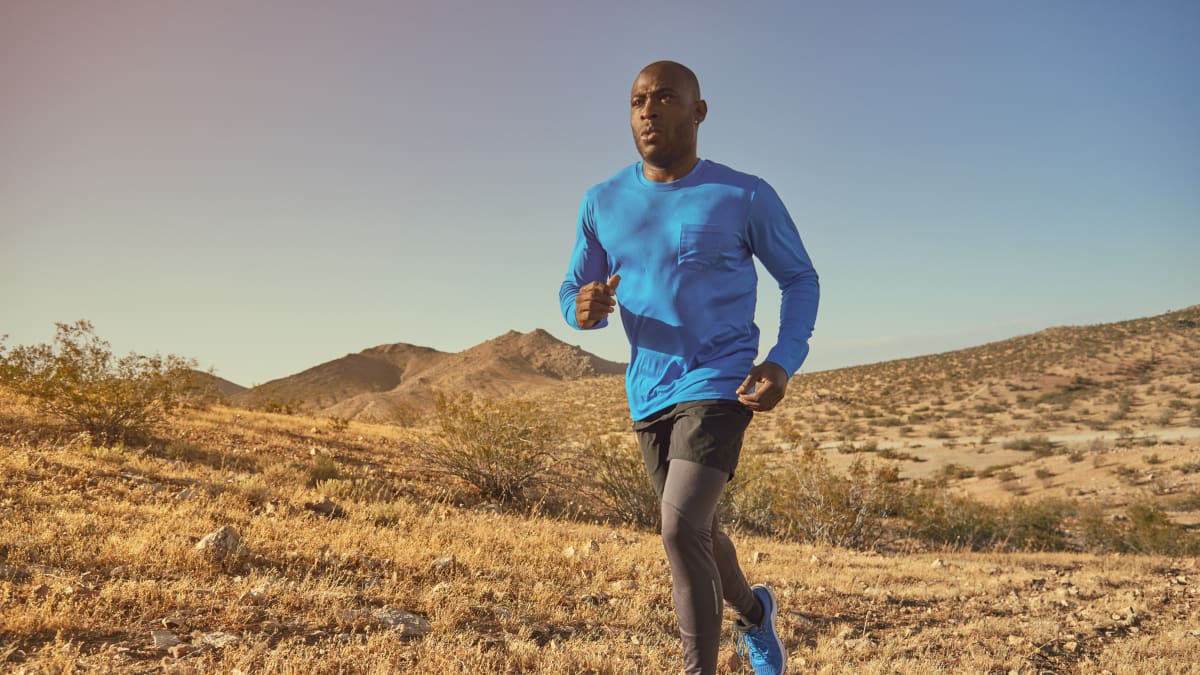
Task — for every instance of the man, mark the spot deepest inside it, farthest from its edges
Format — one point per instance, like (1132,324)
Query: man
(672,238)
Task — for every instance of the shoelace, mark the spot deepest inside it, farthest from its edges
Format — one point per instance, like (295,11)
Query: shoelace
(742,644)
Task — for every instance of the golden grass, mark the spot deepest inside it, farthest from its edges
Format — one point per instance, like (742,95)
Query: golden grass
(96,552)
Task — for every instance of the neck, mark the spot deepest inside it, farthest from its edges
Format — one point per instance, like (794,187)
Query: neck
(672,172)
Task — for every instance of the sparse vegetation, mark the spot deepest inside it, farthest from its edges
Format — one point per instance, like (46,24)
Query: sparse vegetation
(79,380)
(502,448)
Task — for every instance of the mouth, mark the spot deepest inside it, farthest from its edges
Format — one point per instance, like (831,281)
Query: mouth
(650,135)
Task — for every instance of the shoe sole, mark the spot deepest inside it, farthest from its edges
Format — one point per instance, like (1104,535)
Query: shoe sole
(775,625)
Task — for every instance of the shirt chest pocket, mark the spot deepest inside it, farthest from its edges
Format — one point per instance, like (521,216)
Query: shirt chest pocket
(704,245)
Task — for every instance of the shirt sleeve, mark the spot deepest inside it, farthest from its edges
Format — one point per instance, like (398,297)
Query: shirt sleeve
(589,262)
(776,242)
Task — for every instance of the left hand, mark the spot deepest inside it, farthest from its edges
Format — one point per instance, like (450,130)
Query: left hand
(764,387)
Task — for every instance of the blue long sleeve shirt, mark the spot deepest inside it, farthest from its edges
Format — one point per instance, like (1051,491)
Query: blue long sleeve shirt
(688,283)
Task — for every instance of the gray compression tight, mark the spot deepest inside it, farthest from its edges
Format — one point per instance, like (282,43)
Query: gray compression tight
(704,565)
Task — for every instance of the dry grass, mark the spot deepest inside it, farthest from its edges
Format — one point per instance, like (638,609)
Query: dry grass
(97,552)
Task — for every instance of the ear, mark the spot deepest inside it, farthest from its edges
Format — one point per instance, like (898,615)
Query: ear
(701,111)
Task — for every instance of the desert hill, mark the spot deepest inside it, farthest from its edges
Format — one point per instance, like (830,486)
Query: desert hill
(386,382)
(206,382)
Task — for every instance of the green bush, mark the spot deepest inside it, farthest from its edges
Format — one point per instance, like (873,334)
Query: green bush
(78,380)
(503,448)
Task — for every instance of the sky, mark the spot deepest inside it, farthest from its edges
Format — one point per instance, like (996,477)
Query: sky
(266,185)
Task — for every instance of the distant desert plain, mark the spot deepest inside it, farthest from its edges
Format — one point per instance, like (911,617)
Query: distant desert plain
(1026,506)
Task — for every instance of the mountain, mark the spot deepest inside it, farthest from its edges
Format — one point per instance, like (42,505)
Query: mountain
(387,381)
(207,382)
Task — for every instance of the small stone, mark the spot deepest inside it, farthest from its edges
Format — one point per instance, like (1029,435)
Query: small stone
(173,623)
(223,544)
(938,563)
(593,546)
(759,556)
(180,650)
(569,552)
(164,639)
(445,563)
(405,623)
(218,639)
(623,585)
(326,507)
(814,560)
(1071,647)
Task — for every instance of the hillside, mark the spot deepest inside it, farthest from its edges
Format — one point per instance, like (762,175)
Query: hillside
(389,382)
(100,571)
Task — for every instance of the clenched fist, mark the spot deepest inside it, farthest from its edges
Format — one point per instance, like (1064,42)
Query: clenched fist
(596,301)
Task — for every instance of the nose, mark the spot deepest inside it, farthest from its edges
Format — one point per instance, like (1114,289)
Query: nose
(648,112)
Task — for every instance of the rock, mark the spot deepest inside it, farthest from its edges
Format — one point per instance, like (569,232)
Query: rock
(173,623)
(597,598)
(218,639)
(759,556)
(405,623)
(326,508)
(938,563)
(222,545)
(814,560)
(593,546)
(164,639)
(1071,647)
(446,564)
(180,650)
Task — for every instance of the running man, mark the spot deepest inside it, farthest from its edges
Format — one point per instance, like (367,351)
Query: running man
(672,238)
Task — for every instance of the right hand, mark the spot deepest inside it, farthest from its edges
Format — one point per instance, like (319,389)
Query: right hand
(596,301)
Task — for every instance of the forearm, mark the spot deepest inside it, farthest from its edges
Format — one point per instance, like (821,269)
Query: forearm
(797,319)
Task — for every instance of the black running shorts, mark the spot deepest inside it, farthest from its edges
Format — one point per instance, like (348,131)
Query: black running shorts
(705,432)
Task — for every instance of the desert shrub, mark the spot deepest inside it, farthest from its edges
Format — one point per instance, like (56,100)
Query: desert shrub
(1038,445)
(502,448)
(938,517)
(1145,529)
(323,468)
(359,489)
(749,500)
(79,380)
(953,471)
(812,502)
(622,487)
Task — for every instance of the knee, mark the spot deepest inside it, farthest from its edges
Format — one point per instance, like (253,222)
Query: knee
(678,534)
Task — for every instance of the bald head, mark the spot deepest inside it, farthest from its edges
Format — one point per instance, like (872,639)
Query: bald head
(676,72)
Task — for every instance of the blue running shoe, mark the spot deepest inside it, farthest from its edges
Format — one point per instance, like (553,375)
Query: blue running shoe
(761,644)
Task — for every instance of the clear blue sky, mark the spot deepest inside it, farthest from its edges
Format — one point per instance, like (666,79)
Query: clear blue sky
(268,185)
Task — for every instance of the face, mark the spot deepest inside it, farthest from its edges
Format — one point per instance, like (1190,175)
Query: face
(664,113)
